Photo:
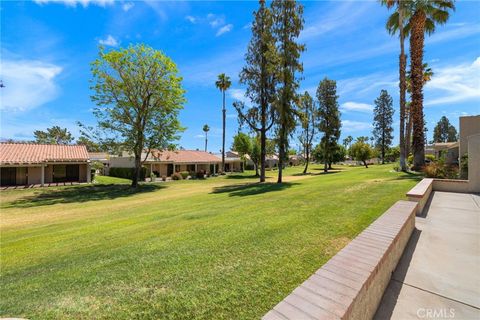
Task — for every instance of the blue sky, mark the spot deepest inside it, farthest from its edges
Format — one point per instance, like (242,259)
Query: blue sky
(47,46)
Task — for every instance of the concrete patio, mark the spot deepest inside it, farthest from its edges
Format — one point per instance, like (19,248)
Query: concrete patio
(438,276)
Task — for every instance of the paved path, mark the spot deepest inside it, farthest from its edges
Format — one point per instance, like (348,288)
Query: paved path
(438,276)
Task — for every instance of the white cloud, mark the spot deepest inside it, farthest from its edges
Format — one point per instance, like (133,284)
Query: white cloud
(74,3)
(28,84)
(215,20)
(224,29)
(191,19)
(200,136)
(454,83)
(356,106)
(352,126)
(109,41)
(238,95)
(127,6)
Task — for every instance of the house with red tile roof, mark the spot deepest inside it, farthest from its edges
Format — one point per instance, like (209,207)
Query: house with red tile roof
(40,164)
(166,162)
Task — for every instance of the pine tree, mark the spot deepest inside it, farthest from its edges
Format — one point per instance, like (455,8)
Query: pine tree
(308,114)
(259,77)
(288,22)
(444,131)
(382,122)
(329,118)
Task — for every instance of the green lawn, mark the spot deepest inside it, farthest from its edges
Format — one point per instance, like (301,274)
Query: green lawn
(222,248)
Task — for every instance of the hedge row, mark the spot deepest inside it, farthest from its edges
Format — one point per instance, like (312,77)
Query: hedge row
(126,173)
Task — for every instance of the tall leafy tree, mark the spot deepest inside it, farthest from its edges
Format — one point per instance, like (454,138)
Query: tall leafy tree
(288,22)
(206,128)
(243,144)
(426,14)
(138,93)
(347,142)
(223,84)
(396,23)
(259,77)
(308,115)
(382,122)
(329,117)
(444,131)
(361,151)
(53,135)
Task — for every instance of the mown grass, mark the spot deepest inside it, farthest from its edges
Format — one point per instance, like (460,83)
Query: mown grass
(221,248)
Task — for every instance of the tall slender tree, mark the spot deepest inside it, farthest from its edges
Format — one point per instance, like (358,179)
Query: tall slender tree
(427,76)
(396,22)
(288,22)
(53,135)
(223,84)
(260,79)
(347,142)
(329,118)
(426,14)
(308,114)
(206,128)
(382,122)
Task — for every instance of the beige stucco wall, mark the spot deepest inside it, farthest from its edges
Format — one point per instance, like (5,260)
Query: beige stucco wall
(469,126)
(474,162)
(122,162)
(34,175)
(82,173)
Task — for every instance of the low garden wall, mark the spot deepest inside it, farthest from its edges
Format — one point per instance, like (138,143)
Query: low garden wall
(351,284)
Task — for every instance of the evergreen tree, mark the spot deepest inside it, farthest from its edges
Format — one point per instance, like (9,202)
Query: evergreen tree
(308,114)
(288,22)
(382,122)
(53,135)
(444,131)
(259,77)
(329,118)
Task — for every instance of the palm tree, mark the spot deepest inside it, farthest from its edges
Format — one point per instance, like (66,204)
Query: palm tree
(427,76)
(206,128)
(396,23)
(426,14)
(223,83)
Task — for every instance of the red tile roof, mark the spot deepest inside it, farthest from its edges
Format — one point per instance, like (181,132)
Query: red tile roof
(24,153)
(184,156)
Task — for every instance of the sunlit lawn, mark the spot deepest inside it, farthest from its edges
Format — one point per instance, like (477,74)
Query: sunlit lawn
(222,248)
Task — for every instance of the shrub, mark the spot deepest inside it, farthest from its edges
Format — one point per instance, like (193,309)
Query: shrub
(430,157)
(92,174)
(440,170)
(184,174)
(152,177)
(126,173)
(410,159)
(164,178)
(177,176)
(200,174)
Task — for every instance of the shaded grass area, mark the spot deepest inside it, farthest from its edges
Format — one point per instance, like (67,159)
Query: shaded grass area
(222,248)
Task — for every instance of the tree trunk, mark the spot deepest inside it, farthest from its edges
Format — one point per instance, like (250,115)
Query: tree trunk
(263,153)
(281,156)
(136,171)
(403,87)
(326,153)
(256,169)
(329,165)
(365,164)
(307,159)
(223,136)
(416,57)
(408,134)
(206,141)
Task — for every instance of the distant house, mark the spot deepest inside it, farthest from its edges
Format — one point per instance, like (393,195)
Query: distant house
(446,150)
(40,164)
(233,162)
(166,162)
(295,160)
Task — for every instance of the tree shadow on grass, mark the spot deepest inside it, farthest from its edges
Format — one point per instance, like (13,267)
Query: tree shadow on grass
(47,196)
(410,176)
(250,189)
(241,176)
